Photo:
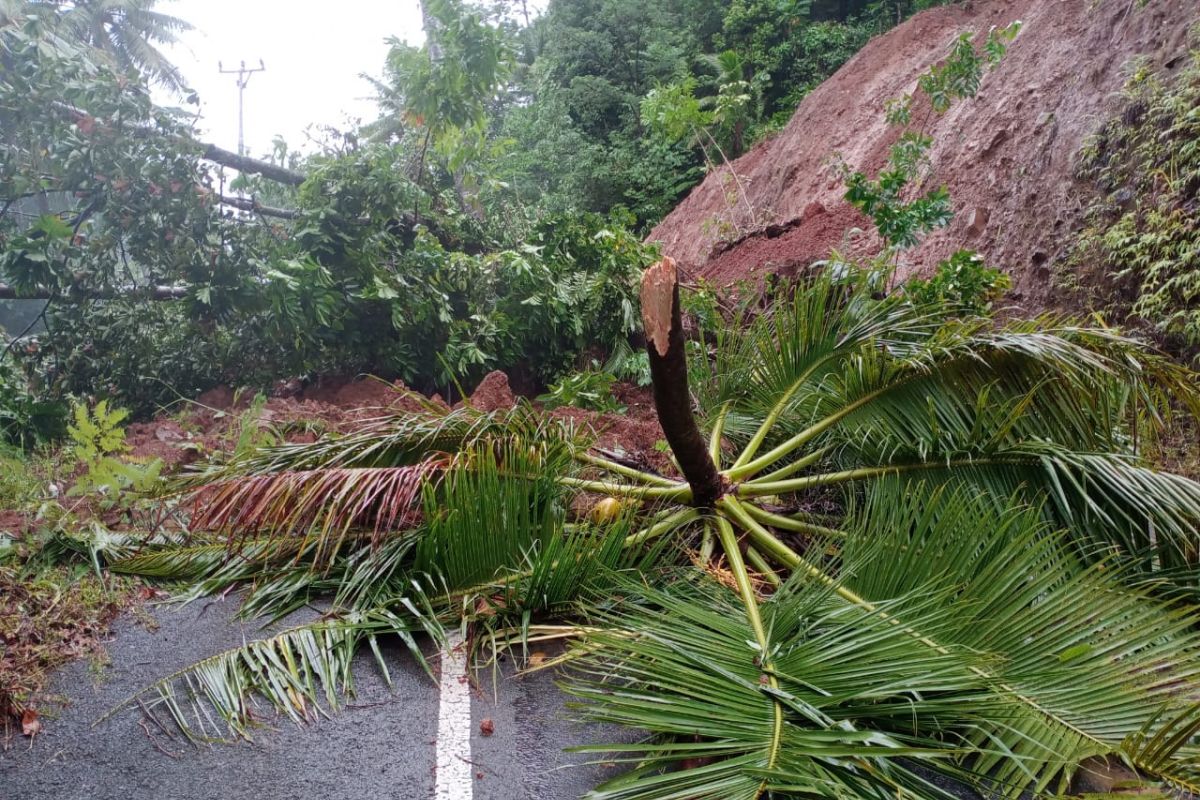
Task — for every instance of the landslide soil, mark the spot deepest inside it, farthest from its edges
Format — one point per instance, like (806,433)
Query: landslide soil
(1007,157)
(213,421)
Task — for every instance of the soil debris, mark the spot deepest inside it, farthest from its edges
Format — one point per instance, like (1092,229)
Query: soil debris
(1007,157)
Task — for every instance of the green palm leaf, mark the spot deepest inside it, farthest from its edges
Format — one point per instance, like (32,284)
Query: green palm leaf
(396,440)
(953,626)
(301,673)
(838,387)
(1167,746)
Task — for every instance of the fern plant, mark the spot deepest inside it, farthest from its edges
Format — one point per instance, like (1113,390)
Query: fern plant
(98,445)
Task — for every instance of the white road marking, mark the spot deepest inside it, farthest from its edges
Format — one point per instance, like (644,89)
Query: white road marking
(454,777)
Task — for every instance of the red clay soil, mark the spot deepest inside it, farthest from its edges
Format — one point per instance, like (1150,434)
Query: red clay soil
(13,522)
(1007,156)
(214,420)
(493,393)
(635,433)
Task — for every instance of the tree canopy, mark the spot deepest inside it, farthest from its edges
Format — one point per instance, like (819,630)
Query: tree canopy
(466,229)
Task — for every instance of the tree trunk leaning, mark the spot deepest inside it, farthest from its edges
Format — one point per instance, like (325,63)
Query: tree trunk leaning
(663,322)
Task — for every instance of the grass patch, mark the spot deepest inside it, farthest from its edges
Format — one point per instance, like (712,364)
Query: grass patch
(19,482)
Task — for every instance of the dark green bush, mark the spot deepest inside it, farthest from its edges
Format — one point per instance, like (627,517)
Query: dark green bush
(25,419)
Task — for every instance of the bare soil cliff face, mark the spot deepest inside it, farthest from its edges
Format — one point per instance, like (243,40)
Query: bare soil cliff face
(1007,156)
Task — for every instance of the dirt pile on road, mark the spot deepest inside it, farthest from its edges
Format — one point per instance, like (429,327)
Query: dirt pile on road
(1007,157)
(216,421)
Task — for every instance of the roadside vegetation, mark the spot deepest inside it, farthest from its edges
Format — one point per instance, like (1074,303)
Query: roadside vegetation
(900,537)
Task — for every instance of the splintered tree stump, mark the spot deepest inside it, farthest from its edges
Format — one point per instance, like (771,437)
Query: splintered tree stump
(663,322)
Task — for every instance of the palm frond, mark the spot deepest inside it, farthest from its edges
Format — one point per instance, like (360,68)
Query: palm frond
(396,440)
(492,547)
(1047,408)
(761,358)
(301,673)
(1168,746)
(195,561)
(1089,658)
(1111,506)
(323,504)
(501,501)
(682,663)
(944,624)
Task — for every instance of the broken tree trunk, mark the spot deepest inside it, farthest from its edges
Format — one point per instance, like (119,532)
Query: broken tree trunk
(228,158)
(669,374)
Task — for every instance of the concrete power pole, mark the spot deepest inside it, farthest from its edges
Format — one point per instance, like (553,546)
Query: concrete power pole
(243,77)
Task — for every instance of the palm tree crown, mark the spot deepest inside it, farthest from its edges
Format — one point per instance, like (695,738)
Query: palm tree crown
(129,32)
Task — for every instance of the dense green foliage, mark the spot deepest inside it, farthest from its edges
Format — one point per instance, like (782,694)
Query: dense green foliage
(26,420)
(484,221)
(125,33)
(591,388)
(380,269)
(587,66)
(1141,245)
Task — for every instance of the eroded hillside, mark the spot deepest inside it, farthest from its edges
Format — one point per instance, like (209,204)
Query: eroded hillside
(1007,157)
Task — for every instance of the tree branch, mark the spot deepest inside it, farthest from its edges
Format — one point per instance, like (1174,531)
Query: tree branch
(250,204)
(662,319)
(42,293)
(232,160)
(208,152)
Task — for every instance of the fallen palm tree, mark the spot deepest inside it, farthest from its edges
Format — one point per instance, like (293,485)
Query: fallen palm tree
(1005,592)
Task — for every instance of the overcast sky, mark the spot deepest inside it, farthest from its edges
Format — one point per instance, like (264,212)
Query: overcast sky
(314,52)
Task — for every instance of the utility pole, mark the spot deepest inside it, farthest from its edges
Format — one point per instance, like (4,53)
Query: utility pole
(243,77)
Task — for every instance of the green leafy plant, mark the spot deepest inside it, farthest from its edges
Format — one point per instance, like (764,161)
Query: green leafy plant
(674,112)
(443,87)
(628,364)
(962,283)
(98,445)
(1141,244)
(900,218)
(759,705)
(790,46)
(415,247)
(252,432)
(26,420)
(591,389)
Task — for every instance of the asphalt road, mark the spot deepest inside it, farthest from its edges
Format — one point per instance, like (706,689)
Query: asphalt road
(383,745)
